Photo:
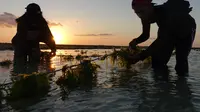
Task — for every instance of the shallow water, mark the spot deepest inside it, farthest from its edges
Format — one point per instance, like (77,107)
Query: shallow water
(116,89)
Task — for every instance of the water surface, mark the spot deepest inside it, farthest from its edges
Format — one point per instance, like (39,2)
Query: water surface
(116,89)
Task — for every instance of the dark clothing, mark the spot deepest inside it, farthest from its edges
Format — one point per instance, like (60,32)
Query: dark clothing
(31,29)
(162,48)
(174,33)
(160,19)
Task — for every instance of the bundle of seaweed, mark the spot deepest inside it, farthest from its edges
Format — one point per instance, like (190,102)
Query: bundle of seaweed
(28,85)
(122,57)
(79,75)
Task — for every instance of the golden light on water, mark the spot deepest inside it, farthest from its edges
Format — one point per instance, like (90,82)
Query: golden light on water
(59,34)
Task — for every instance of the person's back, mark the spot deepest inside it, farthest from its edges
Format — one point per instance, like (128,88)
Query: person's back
(179,21)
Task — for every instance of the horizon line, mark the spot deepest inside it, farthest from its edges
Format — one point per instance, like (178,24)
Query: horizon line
(91,45)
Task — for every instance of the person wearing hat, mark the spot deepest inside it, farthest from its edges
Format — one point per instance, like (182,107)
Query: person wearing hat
(176,30)
(32,29)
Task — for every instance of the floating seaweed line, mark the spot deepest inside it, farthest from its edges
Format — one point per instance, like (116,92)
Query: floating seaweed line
(72,76)
(119,56)
(77,74)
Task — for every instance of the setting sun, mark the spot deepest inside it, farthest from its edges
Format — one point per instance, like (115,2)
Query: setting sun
(59,35)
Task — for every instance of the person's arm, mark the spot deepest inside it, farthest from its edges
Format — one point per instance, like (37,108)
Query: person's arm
(48,38)
(164,41)
(144,36)
(145,32)
(155,48)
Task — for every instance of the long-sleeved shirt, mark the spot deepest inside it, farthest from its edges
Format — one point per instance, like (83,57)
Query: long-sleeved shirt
(31,30)
(173,25)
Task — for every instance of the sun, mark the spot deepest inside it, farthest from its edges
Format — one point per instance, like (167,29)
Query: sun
(59,35)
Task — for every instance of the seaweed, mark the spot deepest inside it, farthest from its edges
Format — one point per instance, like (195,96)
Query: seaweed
(79,75)
(28,85)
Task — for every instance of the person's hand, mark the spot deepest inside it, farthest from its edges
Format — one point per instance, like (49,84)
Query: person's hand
(53,52)
(133,44)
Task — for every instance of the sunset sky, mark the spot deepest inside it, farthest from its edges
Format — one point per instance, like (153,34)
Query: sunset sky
(96,22)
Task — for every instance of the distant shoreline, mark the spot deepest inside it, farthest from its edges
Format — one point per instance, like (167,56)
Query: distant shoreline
(8,46)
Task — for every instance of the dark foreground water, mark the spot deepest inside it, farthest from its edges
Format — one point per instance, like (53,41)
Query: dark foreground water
(117,90)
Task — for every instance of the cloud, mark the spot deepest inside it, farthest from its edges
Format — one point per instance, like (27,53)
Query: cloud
(8,20)
(54,24)
(102,34)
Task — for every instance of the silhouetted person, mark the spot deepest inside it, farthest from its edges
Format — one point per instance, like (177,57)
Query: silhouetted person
(32,28)
(176,31)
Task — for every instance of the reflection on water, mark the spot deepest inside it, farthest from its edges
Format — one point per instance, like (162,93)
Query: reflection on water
(115,89)
(22,66)
(166,96)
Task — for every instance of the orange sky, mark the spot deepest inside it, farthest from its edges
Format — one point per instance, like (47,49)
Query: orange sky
(93,22)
